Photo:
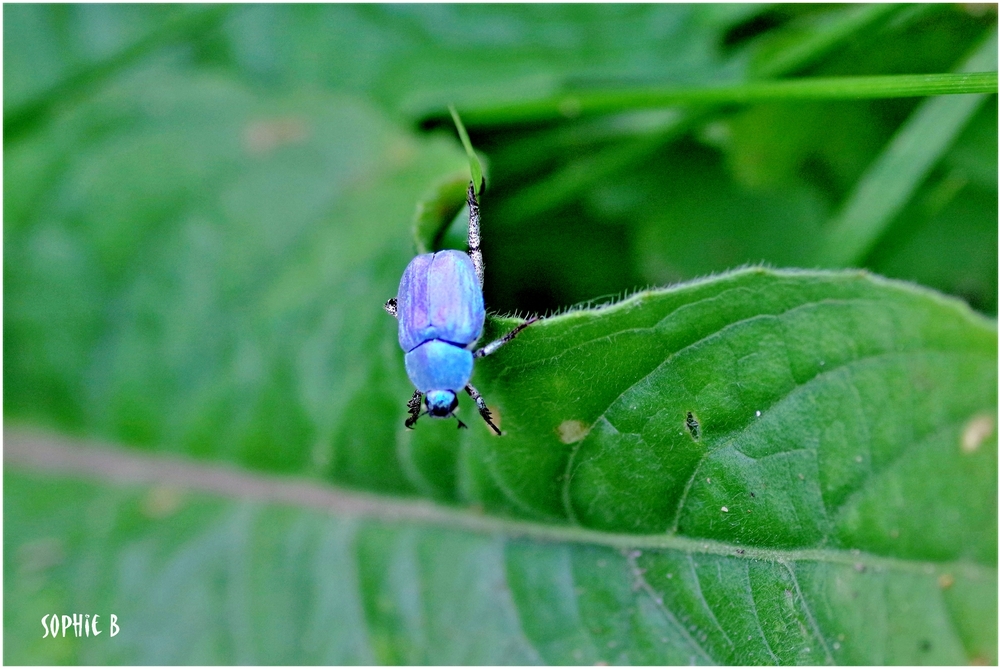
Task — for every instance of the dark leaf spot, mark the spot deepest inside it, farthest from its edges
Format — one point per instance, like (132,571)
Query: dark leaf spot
(693,426)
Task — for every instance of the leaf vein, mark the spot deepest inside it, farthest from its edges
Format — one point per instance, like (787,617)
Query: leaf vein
(756,614)
(704,602)
(808,612)
(640,579)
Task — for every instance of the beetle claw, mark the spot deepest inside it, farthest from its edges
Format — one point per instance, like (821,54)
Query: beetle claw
(413,408)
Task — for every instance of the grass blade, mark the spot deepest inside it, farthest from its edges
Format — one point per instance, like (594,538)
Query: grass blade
(805,50)
(586,103)
(567,183)
(901,168)
(475,167)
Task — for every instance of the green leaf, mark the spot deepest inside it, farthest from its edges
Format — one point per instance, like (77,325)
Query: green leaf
(843,88)
(869,472)
(239,238)
(437,209)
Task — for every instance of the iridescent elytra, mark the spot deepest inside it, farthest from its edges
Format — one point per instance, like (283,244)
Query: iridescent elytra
(440,311)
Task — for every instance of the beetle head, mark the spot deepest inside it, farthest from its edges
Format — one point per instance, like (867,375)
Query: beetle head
(441,403)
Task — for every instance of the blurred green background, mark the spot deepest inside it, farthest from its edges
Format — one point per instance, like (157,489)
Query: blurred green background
(743,185)
(205,206)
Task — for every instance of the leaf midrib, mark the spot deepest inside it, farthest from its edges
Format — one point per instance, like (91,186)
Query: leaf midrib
(49,453)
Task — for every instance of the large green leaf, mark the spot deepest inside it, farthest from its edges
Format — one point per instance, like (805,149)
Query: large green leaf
(804,453)
(205,254)
(893,462)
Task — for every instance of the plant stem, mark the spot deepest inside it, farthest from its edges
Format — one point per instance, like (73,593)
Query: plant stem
(475,167)
(820,88)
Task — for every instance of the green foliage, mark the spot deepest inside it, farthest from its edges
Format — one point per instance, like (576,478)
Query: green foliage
(206,208)
(902,166)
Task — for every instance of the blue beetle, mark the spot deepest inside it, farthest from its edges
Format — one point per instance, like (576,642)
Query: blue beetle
(441,314)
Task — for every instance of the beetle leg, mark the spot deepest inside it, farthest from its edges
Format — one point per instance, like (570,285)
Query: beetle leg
(390,306)
(481,404)
(474,252)
(491,348)
(413,408)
